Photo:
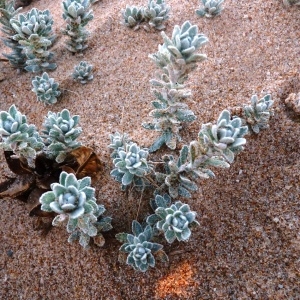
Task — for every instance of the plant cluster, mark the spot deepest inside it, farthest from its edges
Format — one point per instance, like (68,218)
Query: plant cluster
(54,165)
(34,33)
(83,72)
(155,14)
(7,12)
(210,8)
(175,58)
(171,177)
(75,203)
(77,15)
(46,89)
(38,161)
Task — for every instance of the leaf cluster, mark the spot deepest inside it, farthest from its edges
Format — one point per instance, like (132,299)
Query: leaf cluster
(210,8)
(34,33)
(176,58)
(77,14)
(155,14)
(46,89)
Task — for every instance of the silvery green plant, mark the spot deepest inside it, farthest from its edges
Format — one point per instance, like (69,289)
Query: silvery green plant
(210,8)
(60,134)
(118,142)
(175,179)
(17,58)
(34,33)
(179,175)
(174,220)
(131,165)
(46,89)
(258,113)
(18,136)
(75,203)
(77,15)
(224,138)
(83,72)
(156,13)
(133,16)
(139,247)
(176,58)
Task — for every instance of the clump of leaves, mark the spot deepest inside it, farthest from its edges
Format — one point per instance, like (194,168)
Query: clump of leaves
(7,12)
(224,138)
(132,16)
(174,220)
(60,134)
(176,58)
(83,72)
(27,156)
(210,8)
(75,203)
(130,165)
(155,14)
(139,247)
(34,33)
(18,136)
(77,15)
(46,89)
(118,140)
(257,114)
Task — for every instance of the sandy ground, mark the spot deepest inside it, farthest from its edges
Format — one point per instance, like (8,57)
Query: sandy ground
(248,244)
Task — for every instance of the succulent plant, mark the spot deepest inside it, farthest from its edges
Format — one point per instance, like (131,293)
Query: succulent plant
(74,201)
(46,89)
(211,8)
(17,58)
(60,134)
(175,179)
(18,136)
(176,57)
(133,16)
(118,141)
(257,114)
(131,165)
(77,14)
(34,32)
(174,221)
(183,45)
(156,13)
(224,138)
(139,247)
(83,72)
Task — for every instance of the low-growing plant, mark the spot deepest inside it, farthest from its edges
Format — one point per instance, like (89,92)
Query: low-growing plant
(176,58)
(210,8)
(155,14)
(18,136)
(131,165)
(60,134)
(174,220)
(34,33)
(139,247)
(46,89)
(75,203)
(83,72)
(172,177)
(7,12)
(77,14)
